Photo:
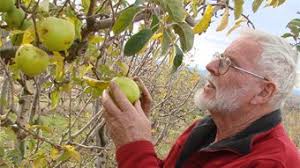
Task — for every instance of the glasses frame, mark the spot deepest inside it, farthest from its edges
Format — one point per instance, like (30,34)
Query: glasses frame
(228,63)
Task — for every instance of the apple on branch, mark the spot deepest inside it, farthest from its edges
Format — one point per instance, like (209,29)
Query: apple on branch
(31,60)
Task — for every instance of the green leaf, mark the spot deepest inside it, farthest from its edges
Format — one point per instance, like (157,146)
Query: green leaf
(165,42)
(203,24)
(125,19)
(256,4)
(2,152)
(137,42)
(175,9)
(55,97)
(185,34)
(85,5)
(78,26)
(294,22)
(178,58)
(238,8)
(286,35)
(155,23)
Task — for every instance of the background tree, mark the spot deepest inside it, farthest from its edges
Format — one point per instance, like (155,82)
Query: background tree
(50,111)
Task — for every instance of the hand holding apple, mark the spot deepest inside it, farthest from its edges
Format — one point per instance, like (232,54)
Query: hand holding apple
(128,87)
(125,122)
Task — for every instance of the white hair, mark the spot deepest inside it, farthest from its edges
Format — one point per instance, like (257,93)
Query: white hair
(278,63)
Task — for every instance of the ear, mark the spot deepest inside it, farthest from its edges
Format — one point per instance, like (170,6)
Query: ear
(268,89)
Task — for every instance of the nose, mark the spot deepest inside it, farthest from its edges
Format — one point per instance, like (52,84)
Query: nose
(213,67)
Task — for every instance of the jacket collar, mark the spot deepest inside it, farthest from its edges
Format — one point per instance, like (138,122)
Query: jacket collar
(241,142)
(204,133)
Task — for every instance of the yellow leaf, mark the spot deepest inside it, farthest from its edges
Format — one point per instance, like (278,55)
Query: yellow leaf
(0,42)
(224,20)
(195,5)
(72,152)
(84,69)
(123,67)
(237,24)
(238,8)
(95,39)
(172,55)
(58,60)
(54,153)
(275,3)
(40,162)
(96,83)
(256,4)
(281,2)
(28,36)
(203,24)
(156,36)
(42,127)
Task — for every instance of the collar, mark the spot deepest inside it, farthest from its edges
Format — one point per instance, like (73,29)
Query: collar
(204,133)
(241,142)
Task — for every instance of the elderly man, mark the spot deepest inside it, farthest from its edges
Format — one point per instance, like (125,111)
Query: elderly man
(247,85)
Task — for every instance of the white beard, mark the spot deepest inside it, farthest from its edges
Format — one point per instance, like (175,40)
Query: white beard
(227,101)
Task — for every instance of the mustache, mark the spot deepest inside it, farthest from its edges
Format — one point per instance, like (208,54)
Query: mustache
(210,78)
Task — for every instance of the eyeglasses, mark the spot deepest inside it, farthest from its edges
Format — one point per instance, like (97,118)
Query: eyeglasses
(225,63)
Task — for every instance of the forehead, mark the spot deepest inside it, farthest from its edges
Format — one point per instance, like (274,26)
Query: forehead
(244,51)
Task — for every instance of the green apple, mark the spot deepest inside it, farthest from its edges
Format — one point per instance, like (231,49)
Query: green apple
(6,5)
(15,17)
(56,34)
(31,60)
(128,87)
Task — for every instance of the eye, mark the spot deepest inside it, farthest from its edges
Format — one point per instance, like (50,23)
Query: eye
(227,61)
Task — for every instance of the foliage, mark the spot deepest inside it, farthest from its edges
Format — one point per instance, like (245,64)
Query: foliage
(54,119)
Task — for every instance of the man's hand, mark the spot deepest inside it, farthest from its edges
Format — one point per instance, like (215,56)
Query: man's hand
(125,122)
(146,99)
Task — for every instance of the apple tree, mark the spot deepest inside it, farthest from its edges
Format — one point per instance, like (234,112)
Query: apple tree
(57,57)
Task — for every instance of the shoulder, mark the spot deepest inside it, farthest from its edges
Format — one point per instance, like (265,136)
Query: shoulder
(276,147)
(266,163)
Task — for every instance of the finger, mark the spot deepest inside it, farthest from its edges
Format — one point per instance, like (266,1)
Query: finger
(138,106)
(109,105)
(120,99)
(146,96)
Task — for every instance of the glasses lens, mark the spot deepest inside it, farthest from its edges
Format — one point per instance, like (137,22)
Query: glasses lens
(224,64)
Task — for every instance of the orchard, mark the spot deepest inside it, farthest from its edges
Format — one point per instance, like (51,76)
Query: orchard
(58,56)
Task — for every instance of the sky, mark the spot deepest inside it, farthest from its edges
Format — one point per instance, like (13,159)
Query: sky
(268,19)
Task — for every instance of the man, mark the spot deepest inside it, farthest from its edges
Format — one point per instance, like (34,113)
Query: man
(247,85)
